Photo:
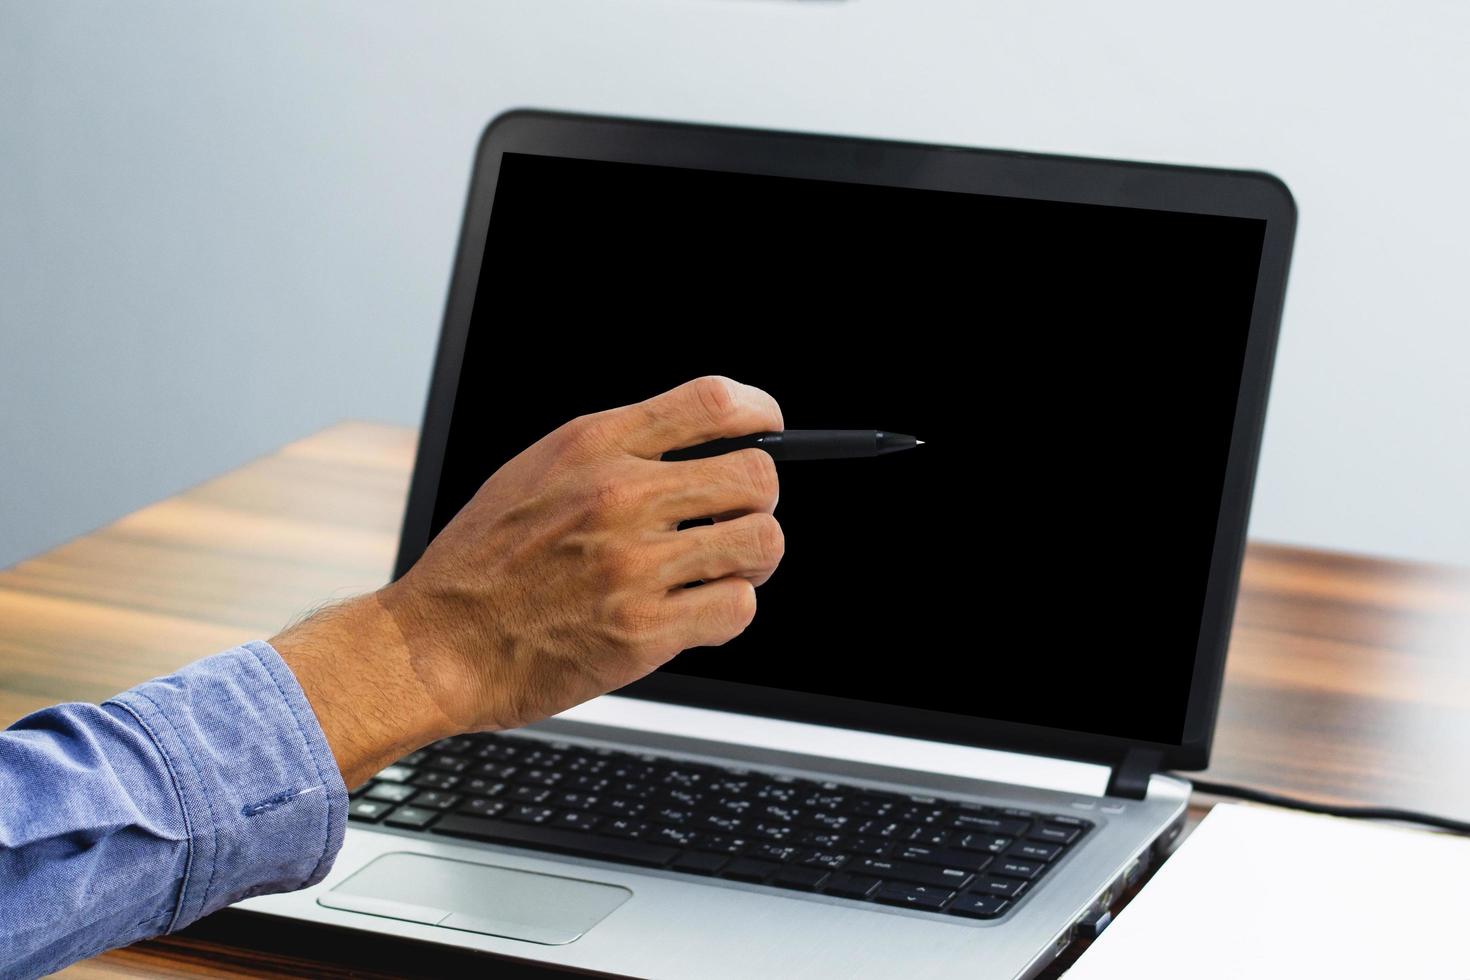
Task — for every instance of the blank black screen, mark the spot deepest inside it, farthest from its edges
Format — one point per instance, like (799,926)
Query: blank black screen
(1073,369)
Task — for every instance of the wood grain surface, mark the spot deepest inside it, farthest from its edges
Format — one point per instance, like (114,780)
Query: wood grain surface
(1348,678)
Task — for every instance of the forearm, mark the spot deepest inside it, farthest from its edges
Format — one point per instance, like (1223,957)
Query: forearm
(376,697)
(175,798)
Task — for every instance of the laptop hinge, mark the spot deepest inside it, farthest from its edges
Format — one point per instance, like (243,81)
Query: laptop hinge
(1130,777)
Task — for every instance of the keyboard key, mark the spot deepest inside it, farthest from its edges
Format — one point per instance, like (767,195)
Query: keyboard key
(982,842)
(555,839)
(1067,820)
(480,807)
(882,829)
(1034,851)
(588,784)
(827,860)
(477,786)
(748,869)
(436,780)
(773,852)
(538,777)
(932,836)
(874,806)
(673,836)
(777,813)
(803,879)
(671,815)
(530,794)
(722,843)
(778,792)
(434,800)
(529,813)
(729,787)
(1004,887)
(850,885)
(978,906)
(729,806)
(576,800)
(924,815)
(684,799)
(943,856)
(822,840)
(1052,834)
(498,750)
(913,896)
(626,829)
(1015,868)
(718,823)
(924,874)
(576,820)
(822,820)
(412,817)
(632,789)
(396,774)
(454,744)
(984,822)
(369,811)
(447,763)
(620,807)
(631,772)
(829,797)
(772,831)
(699,862)
(686,777)
(391,792)
(867,845)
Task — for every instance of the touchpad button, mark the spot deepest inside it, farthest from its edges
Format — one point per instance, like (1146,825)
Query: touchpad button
(525,905)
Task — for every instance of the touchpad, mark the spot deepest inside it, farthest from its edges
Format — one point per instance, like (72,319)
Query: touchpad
(524,905)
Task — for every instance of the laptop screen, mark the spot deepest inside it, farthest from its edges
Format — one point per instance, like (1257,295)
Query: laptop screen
(1072,368)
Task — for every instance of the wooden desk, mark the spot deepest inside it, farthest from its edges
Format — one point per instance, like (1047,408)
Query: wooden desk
(1349,678)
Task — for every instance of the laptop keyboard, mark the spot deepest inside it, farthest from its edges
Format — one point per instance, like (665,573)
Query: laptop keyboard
(918,852)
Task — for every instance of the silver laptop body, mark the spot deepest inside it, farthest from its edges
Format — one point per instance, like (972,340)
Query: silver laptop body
(604,917)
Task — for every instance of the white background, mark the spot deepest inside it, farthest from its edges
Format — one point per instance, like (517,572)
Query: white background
(223,226)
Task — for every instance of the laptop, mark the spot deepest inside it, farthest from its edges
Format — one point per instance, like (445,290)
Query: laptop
(942,743)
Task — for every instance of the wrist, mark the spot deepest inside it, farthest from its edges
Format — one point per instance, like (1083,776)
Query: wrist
(372,700)
(445,642)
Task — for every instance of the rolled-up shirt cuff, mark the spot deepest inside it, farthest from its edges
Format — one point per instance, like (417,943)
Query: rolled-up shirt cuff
(263,801)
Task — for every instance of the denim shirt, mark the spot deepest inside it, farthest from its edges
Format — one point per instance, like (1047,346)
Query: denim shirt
(138,816)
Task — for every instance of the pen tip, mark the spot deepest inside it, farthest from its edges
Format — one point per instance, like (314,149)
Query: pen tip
(918,442)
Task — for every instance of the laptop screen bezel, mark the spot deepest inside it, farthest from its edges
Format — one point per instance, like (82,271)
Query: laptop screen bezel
(1011,174)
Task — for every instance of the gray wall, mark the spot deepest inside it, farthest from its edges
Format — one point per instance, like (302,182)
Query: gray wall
(223,226)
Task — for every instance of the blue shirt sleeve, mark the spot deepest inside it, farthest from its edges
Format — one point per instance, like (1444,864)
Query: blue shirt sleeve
(138,816)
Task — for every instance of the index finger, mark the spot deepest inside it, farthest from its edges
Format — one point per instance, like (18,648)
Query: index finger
(697,411)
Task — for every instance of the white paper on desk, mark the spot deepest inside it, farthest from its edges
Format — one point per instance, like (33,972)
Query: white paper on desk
(1257,892)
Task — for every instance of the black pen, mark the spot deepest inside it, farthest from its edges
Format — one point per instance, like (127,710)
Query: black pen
(796,444)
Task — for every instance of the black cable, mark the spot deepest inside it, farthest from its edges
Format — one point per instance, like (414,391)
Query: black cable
(1251,795)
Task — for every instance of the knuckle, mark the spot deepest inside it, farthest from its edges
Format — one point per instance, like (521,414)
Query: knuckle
(585,432)
(632,618)
(741,606)
(760,470)
(574,430)
(715,395)
(770,540)
(617,564)
(609,497)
